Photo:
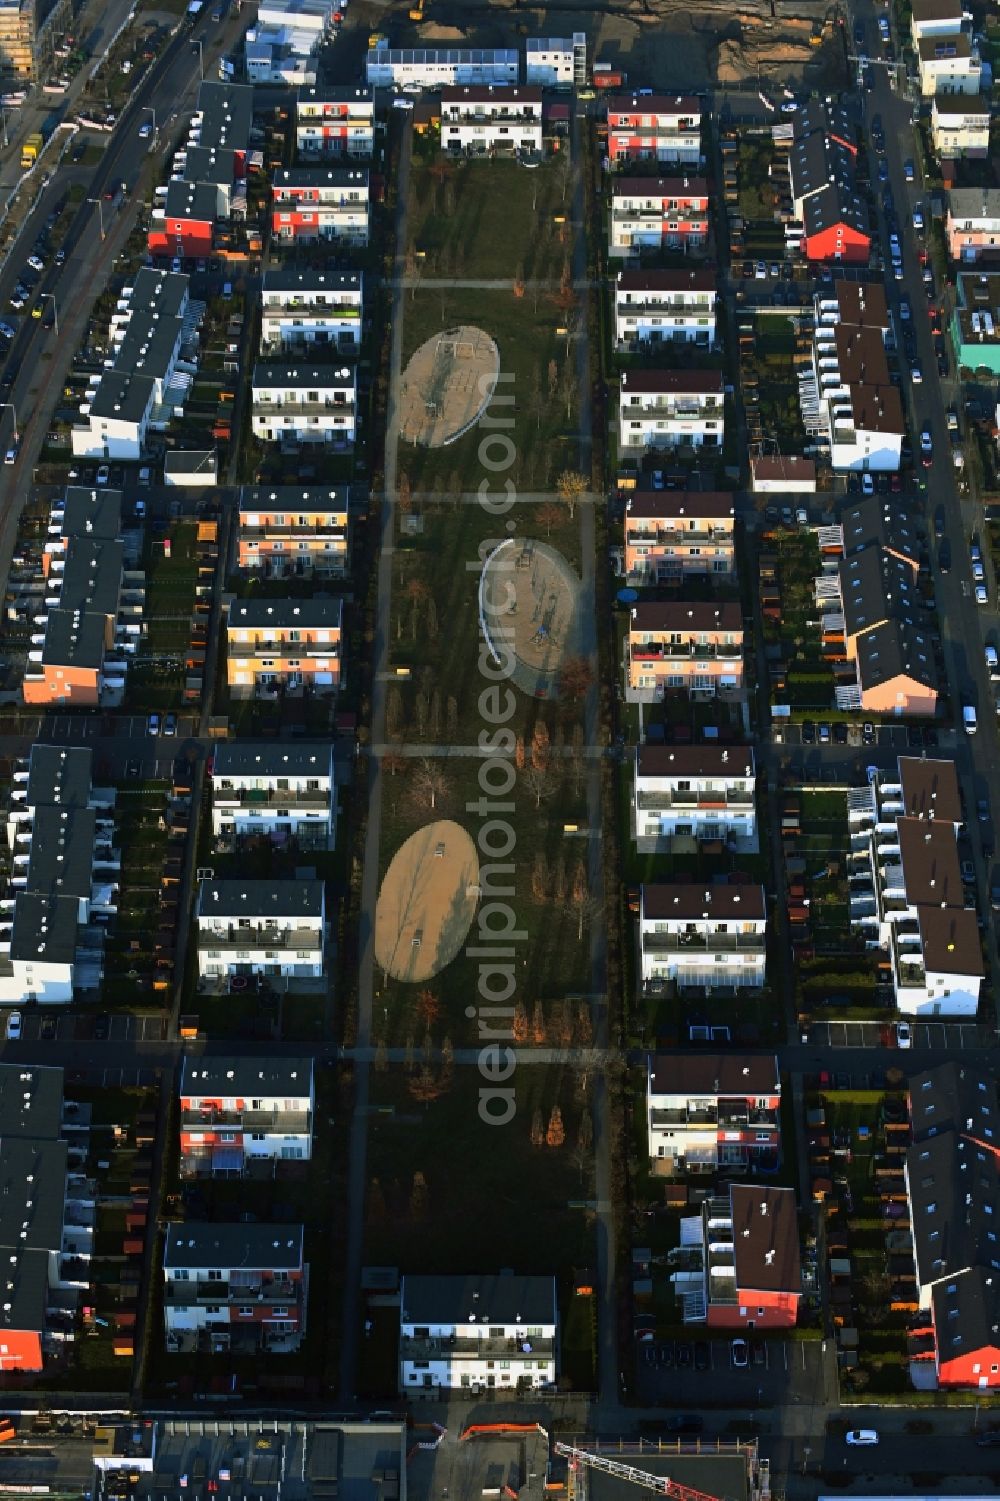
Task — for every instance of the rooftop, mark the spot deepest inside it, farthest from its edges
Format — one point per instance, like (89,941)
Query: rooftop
(662,902)
(226,1077)
(292,281)
(974,203)
(59,774)
(320,177)
(260,901)
(121,397)
(784,467)
(232,1247)
(31,1101)
(896,650)
(882,523)
(671,505)
(955,1097)
(45,928)
(61,859)
(766,1238)
(227,114)
(265,499)
(659,187)
(705,1074)
(954,1206)
(485,1299)
(672,382)
(269,758)
(929,857)
(876,586)
(91,576)
(950,942)
(694,761)
(686,616)
(286,614)
(75,638)
(654,104)
(862,304)
(930,789)
(966,1313)
(92,513)
(195,201)
(281,375)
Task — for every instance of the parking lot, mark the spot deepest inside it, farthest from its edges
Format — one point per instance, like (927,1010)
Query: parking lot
(702,1372)
(897,738)
(929,1036)
(38,1024)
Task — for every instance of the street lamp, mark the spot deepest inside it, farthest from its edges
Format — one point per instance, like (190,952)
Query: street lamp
(100,213)
(55,311)
(10,404)
(201,55)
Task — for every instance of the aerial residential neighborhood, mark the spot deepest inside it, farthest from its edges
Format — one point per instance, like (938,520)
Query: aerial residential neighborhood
(499,703)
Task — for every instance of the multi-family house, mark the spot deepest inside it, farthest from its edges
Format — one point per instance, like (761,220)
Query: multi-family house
(662,128)
(906,890)
(949,65)
(80,512)
(480,119)
(275,929)
(47,1218)
(672,535)
(742,1265)
(320,203)
(972,225)
(478,1333)
(671,409)
(556,62)
(975,321)
(712,939)
(960,126)
(283,646)
(276,790)
(684,646)
(234,1288)
(237,1114)
(335,120)
(674,307)
(822,167)
(296,402)
(859,409)
(935,18)
(712,1111)
(307,310)
(694,792)
(658,213)
(434,68)
(290,531)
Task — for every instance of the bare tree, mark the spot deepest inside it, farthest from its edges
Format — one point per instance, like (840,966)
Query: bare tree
(429,785)
(575,678)
(394,713)
(550,516)
(570,485)
(540,782)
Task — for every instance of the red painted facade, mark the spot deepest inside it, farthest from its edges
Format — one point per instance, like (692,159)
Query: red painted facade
(840,242)
(186,237)
(976,1370)
(755,1310)
(20,1350)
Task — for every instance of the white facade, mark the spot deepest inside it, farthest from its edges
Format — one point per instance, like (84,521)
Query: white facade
(304,404)
(858,408)
(278,791)
(335,122)
(233,1286)
(303,309)
(658,214)
(949,65)
(676,307)
(930,18)
(478,1333)
(670,408)
(556,62)
(482,120)
(271,928)
(116,425)
(703,792)
(237,1111)
(960,126)
(431,68)
(709,939)
(708,1111)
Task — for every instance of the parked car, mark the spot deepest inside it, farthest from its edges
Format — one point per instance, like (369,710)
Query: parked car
(153,724)
(48,1027)
(102,1027)
(13,1026)
(904,1035)
(861,1437)
(740,1354)
(103,474)
(170,723)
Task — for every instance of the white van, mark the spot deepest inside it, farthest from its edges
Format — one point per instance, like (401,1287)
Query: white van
(969,719)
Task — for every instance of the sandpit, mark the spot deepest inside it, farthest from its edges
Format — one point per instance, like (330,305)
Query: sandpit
(447,385)
(427,902)
(544,624)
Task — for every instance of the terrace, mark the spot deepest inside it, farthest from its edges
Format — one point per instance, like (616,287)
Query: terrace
(262,938)
(699,649)
(226,796)
(280,1122)
(467,1346)
(663,802)
(672,943)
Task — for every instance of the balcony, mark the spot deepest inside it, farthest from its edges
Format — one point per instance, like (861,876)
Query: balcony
(184,1294)
(264,406)
(326,529)
(250,650)
(252,939)
(678,650)
(673,537)
(666,802)
(465,1347)
(274,1122)
(709,943)
(225,796)
(301,308)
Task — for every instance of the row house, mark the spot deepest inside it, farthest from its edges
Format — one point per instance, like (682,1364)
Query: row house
(710,939)
(707,1112)
(272,929)
(682,646)
(335,120)
(661,128)
(64,872)
(674,535)
(906,891)
(414,68)
(275,791)
(935,18)
(283,646)
(739,1261)
(207,186)
(482,119)
(859,409)
(304,403)
(975,321)
(47,1219)
(287,531)
(554,62)
(658,213)
(675,307)
(949,65)
(79,513)
(237,1114)
(671,409)
(320,203)
(702,792)
(306,310)
(783,474)
(478,1333)
(960,126)
(972,225)
(822,166)
(234,1288)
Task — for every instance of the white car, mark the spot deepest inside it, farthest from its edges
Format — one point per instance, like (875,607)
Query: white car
(978,573)
(14,1026)
(982,595)
(861,1437)
(740,1354)
(36,263)
(992,663)
(145,130)
(867,484)
(904,1035)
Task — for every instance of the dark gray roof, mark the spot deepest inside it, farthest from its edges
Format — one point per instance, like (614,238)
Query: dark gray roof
(211,164)
(227,114)
(24,1289)
(966,1311)
(260,900)
(196,201)
(877,586)
(31,1101)
(295,280)
(836,203)
(337,93)
(299,375)
(896,650)
(92,513)
(954,1206)
(74,639)
(32,1195)
(311,614)
(44,927)
(151,343)
(61,861)
(257,498)
(228,1247)
(164,292)
(881,523)
(121,397)
(191,461)
(704,1074)
(338,178)
(228,1076)
(483,1299)
(249,758)
(816,161)
(92,576)
(955,1097)
(59,774)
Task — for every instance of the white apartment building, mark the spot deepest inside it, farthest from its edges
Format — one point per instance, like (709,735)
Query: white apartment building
(302,403)
(478,1333)
(270,928)
(410,68)
(960,125)
(694,792)
(556,62)
(671,408)
(658,213)
(307,309)
(274,789)
(479,119)
(855,404)
(949,65)
(929,18)
(335,120)
(706,1111)
(236,1112)
(676,307)
(906,891)
(712,939)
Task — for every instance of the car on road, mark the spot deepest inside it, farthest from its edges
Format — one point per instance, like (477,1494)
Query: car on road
(8,331)
(918,218)
(19,299)
(944,556)
(939,522)
(970,722)
(10,457)
(904,1035)
(860,1438)
(983,809)
(992,662)
(905,310)
(153,724)
(47,1028)
(145,130)
(909,171)
(740,1353)
(883,169)
(916,372)
(36,263)
(982,594)
(968,872)
(926,446)
(60,256)
(975,550)
(989,1438)
(978,573)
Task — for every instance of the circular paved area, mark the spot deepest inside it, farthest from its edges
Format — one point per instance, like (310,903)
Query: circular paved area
(447,385)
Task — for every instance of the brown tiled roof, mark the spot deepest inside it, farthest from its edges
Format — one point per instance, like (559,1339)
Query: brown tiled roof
(686,615)
(695,760)
(703,505)
(661,901)
(714,1074)
(930,789)
(766,1239)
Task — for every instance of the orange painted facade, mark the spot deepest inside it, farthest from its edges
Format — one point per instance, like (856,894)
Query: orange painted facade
(63,685)
(283,645)
(755,1310)
(284,543)
(692,648)
(20,1350)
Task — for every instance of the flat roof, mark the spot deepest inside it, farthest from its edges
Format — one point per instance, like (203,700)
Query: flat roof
(713,1074)
(92,513)
(75,638)
(661,901)
(227,114)
(269,758)
(654,104)
(478,1299)
(255,499)
(291,280)
(703,382)
(286,614)
(337,93)
(766,1238)
(121,397)
(229,1075)
(974,203)
(226,1246)
(192,461)
(724,1477)
(260,900)
(283,375)
(936,10)
(862,303)
(877,409)
(61,855)
(149,345)
(31,1101)
(701,505)
(59,774)
(24,1289)
(480,93)
(320,177)
(659,187)
(667,281)
(198,201)
(45,927)
(694,761)
(211,164)
(686,615)
(32,1195)
(950,942)
(165,292)
(929,857)
(941,48)
(930,789)
(92,576)
(790,466)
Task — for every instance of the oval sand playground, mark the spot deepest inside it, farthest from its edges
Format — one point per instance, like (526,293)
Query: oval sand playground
(427,902)
(447,385)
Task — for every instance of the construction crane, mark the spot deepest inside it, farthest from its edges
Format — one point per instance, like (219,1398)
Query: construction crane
(661,1484)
